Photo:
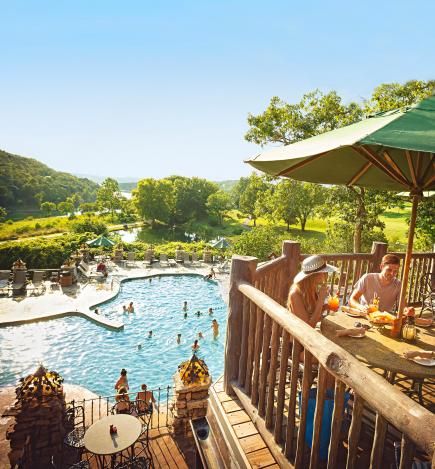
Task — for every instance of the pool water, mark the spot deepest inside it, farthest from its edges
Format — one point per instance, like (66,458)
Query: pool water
(92,356)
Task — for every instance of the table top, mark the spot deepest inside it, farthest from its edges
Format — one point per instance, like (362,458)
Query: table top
(98,439)
(378,349)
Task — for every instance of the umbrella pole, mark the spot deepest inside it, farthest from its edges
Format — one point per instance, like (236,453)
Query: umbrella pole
(402,301)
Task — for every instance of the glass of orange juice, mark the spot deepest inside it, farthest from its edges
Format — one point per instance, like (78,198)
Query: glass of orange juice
(333,303)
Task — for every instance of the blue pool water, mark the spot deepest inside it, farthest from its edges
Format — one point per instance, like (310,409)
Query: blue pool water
(92,356)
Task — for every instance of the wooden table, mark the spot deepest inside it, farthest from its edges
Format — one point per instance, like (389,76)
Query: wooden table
(378,349)
(100,442)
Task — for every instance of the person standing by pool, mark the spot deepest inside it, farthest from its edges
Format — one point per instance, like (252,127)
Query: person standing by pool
(215,327)
(122,380)
(130,308)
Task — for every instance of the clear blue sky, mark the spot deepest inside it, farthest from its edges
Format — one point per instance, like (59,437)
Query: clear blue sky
(151,88)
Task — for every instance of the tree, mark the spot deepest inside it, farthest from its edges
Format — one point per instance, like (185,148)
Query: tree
(390,96)
(425,226)
(218,204)
(259,242)
(238,190)
(306,199)
(48,208)
(87,207)
(154,199)
(66,207)
(288,123)
(109,196)
(360,208)
(3,213)
(255,188)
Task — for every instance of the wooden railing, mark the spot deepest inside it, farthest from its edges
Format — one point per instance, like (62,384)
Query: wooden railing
(263,366)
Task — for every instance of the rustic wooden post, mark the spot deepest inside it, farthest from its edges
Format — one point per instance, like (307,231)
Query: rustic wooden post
(378,252)
(291,250)
(242,270)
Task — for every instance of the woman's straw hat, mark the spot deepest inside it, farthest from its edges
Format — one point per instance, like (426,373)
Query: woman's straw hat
(313,265)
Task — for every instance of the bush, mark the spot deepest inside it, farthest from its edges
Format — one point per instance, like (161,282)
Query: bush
(90,226)
(38,226)
(43,253)
(259,242)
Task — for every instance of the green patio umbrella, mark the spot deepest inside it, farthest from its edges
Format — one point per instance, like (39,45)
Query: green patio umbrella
(221,243)
(393,150)
(101,241)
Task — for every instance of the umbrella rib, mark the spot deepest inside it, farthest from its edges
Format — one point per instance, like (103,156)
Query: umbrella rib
(379,164)
(428,183)
(411,167)
(359,174)
(303,163)
(393,164)
(426,172)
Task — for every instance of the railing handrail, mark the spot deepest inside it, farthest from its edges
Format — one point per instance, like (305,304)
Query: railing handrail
(408,416)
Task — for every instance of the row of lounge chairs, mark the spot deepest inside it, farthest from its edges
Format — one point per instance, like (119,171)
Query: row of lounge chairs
(17,281)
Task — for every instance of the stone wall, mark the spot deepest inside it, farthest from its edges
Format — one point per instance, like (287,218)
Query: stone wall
(36,436)
(191,402)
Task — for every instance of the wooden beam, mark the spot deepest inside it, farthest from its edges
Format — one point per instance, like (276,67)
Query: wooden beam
(359,174)
(411,167)
(429,182)
(373,158)
(396,168)
(300,165)
(426,172)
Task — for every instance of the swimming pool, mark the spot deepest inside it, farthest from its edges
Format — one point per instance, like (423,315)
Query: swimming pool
(92,356)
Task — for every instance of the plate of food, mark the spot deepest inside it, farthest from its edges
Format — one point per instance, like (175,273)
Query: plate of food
(381,317)
(424,361)
(353,312)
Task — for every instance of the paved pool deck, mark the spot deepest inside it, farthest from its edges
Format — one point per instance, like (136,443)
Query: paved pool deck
(77,300)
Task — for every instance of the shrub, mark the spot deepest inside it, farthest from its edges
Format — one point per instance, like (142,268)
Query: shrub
(38,226)
(90,226)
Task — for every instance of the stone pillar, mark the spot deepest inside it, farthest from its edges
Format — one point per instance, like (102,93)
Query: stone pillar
(191,402)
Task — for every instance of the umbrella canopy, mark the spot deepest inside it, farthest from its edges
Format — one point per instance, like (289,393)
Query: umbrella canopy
(392,151)
(221,244)
(101,241)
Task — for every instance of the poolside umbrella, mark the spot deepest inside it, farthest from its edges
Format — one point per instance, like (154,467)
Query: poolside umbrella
(221,243)
(101,241)
(392,150)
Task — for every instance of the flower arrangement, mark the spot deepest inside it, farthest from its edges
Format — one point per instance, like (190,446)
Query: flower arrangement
(193,371)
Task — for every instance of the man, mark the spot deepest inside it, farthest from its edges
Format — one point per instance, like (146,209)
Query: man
(383,285)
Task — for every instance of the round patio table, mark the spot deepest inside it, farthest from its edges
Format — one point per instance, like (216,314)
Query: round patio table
(99,441)
(378,349)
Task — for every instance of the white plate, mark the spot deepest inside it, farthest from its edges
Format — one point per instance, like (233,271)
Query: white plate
(357,336)
(424,361)
(355,315)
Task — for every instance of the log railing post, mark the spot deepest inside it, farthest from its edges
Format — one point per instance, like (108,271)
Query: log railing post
(291,250)
(242,270)
(378,252)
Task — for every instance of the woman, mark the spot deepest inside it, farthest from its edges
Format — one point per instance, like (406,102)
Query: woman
(308,293)
(195,346)
(122,380)
(122,405)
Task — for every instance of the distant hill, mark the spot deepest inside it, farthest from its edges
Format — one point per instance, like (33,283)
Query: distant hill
(25,182)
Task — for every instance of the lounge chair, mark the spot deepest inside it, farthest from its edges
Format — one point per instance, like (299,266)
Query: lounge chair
(20,281)
(224,267)
(164,260)
(186,258)
(131,256)
(38,281)
(84,269)
(179,256)
(195,261)
(172,263)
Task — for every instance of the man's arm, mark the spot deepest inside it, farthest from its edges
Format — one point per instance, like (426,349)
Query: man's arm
(354,301)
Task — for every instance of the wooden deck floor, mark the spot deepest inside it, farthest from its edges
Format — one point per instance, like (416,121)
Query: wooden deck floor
(250,440)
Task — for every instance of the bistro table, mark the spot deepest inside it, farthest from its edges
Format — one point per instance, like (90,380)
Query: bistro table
(99,441)
(378,349)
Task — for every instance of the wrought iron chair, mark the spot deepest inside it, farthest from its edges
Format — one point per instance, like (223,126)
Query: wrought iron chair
(427,292)
(75,420)
(123,406)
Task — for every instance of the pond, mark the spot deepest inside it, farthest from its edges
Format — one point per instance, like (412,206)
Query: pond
(92,356)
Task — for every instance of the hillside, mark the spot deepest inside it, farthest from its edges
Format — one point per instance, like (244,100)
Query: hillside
(25,182)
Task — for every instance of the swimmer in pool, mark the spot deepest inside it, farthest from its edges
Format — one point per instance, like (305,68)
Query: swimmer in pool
(195,346)
(185,306)
(215,327)
(130,308)
(178,338)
